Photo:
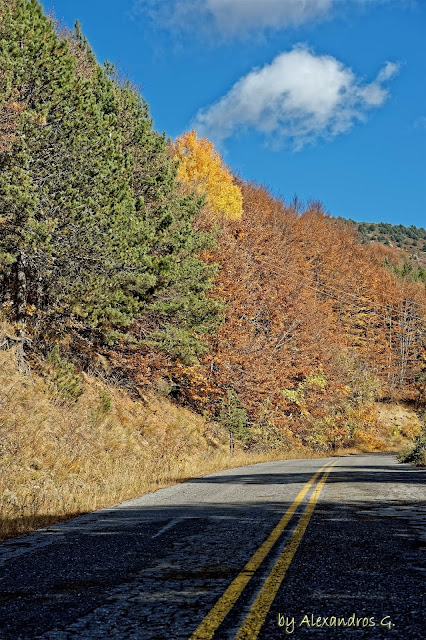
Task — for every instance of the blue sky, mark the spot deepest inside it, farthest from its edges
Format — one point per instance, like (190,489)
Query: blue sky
(323,98)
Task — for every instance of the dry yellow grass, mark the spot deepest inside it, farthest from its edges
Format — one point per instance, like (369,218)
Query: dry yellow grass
(61,459)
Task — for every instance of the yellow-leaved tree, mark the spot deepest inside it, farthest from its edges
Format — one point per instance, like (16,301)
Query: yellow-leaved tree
(202,169)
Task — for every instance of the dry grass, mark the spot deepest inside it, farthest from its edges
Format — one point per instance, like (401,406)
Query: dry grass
(61,459)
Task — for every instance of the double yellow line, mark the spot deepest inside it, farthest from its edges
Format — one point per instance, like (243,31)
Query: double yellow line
(254,620)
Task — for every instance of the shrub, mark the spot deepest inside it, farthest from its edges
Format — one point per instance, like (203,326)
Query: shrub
(66,381)
(417,453)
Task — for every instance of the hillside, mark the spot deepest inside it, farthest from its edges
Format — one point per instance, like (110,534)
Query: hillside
(411,241)
(63,455)
(310,339)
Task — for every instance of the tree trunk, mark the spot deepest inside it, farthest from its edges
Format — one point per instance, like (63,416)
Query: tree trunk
(21,312)
(21,291)
(231,443)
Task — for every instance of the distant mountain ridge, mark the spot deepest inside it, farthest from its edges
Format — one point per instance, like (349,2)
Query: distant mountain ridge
(411,240)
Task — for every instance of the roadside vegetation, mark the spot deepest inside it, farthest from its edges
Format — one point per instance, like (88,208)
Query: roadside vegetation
(416,452)
(158,312)
(71,443)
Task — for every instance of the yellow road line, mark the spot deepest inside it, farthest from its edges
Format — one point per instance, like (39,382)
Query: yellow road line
(254,620)
(216,615)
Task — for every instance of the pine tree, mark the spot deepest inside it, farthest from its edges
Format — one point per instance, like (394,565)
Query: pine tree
(93,233)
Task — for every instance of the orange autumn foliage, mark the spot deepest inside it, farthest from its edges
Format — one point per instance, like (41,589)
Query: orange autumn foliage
(300,292)
(315,329)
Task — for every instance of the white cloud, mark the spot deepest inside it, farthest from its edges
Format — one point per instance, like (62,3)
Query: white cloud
(239,17)
(233,16)
(420,123)
(296,99)
(388,71)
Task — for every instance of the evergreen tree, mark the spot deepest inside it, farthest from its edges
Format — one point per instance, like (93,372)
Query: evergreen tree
(92,231)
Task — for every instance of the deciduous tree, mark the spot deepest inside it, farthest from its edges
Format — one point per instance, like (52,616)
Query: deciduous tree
(202,169)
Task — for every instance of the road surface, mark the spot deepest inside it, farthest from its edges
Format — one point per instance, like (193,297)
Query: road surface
(327,548)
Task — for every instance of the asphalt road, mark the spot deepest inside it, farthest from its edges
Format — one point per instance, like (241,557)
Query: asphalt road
(269,551)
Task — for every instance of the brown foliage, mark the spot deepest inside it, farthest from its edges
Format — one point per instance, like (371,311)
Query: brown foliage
(300,290)
(316,327)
